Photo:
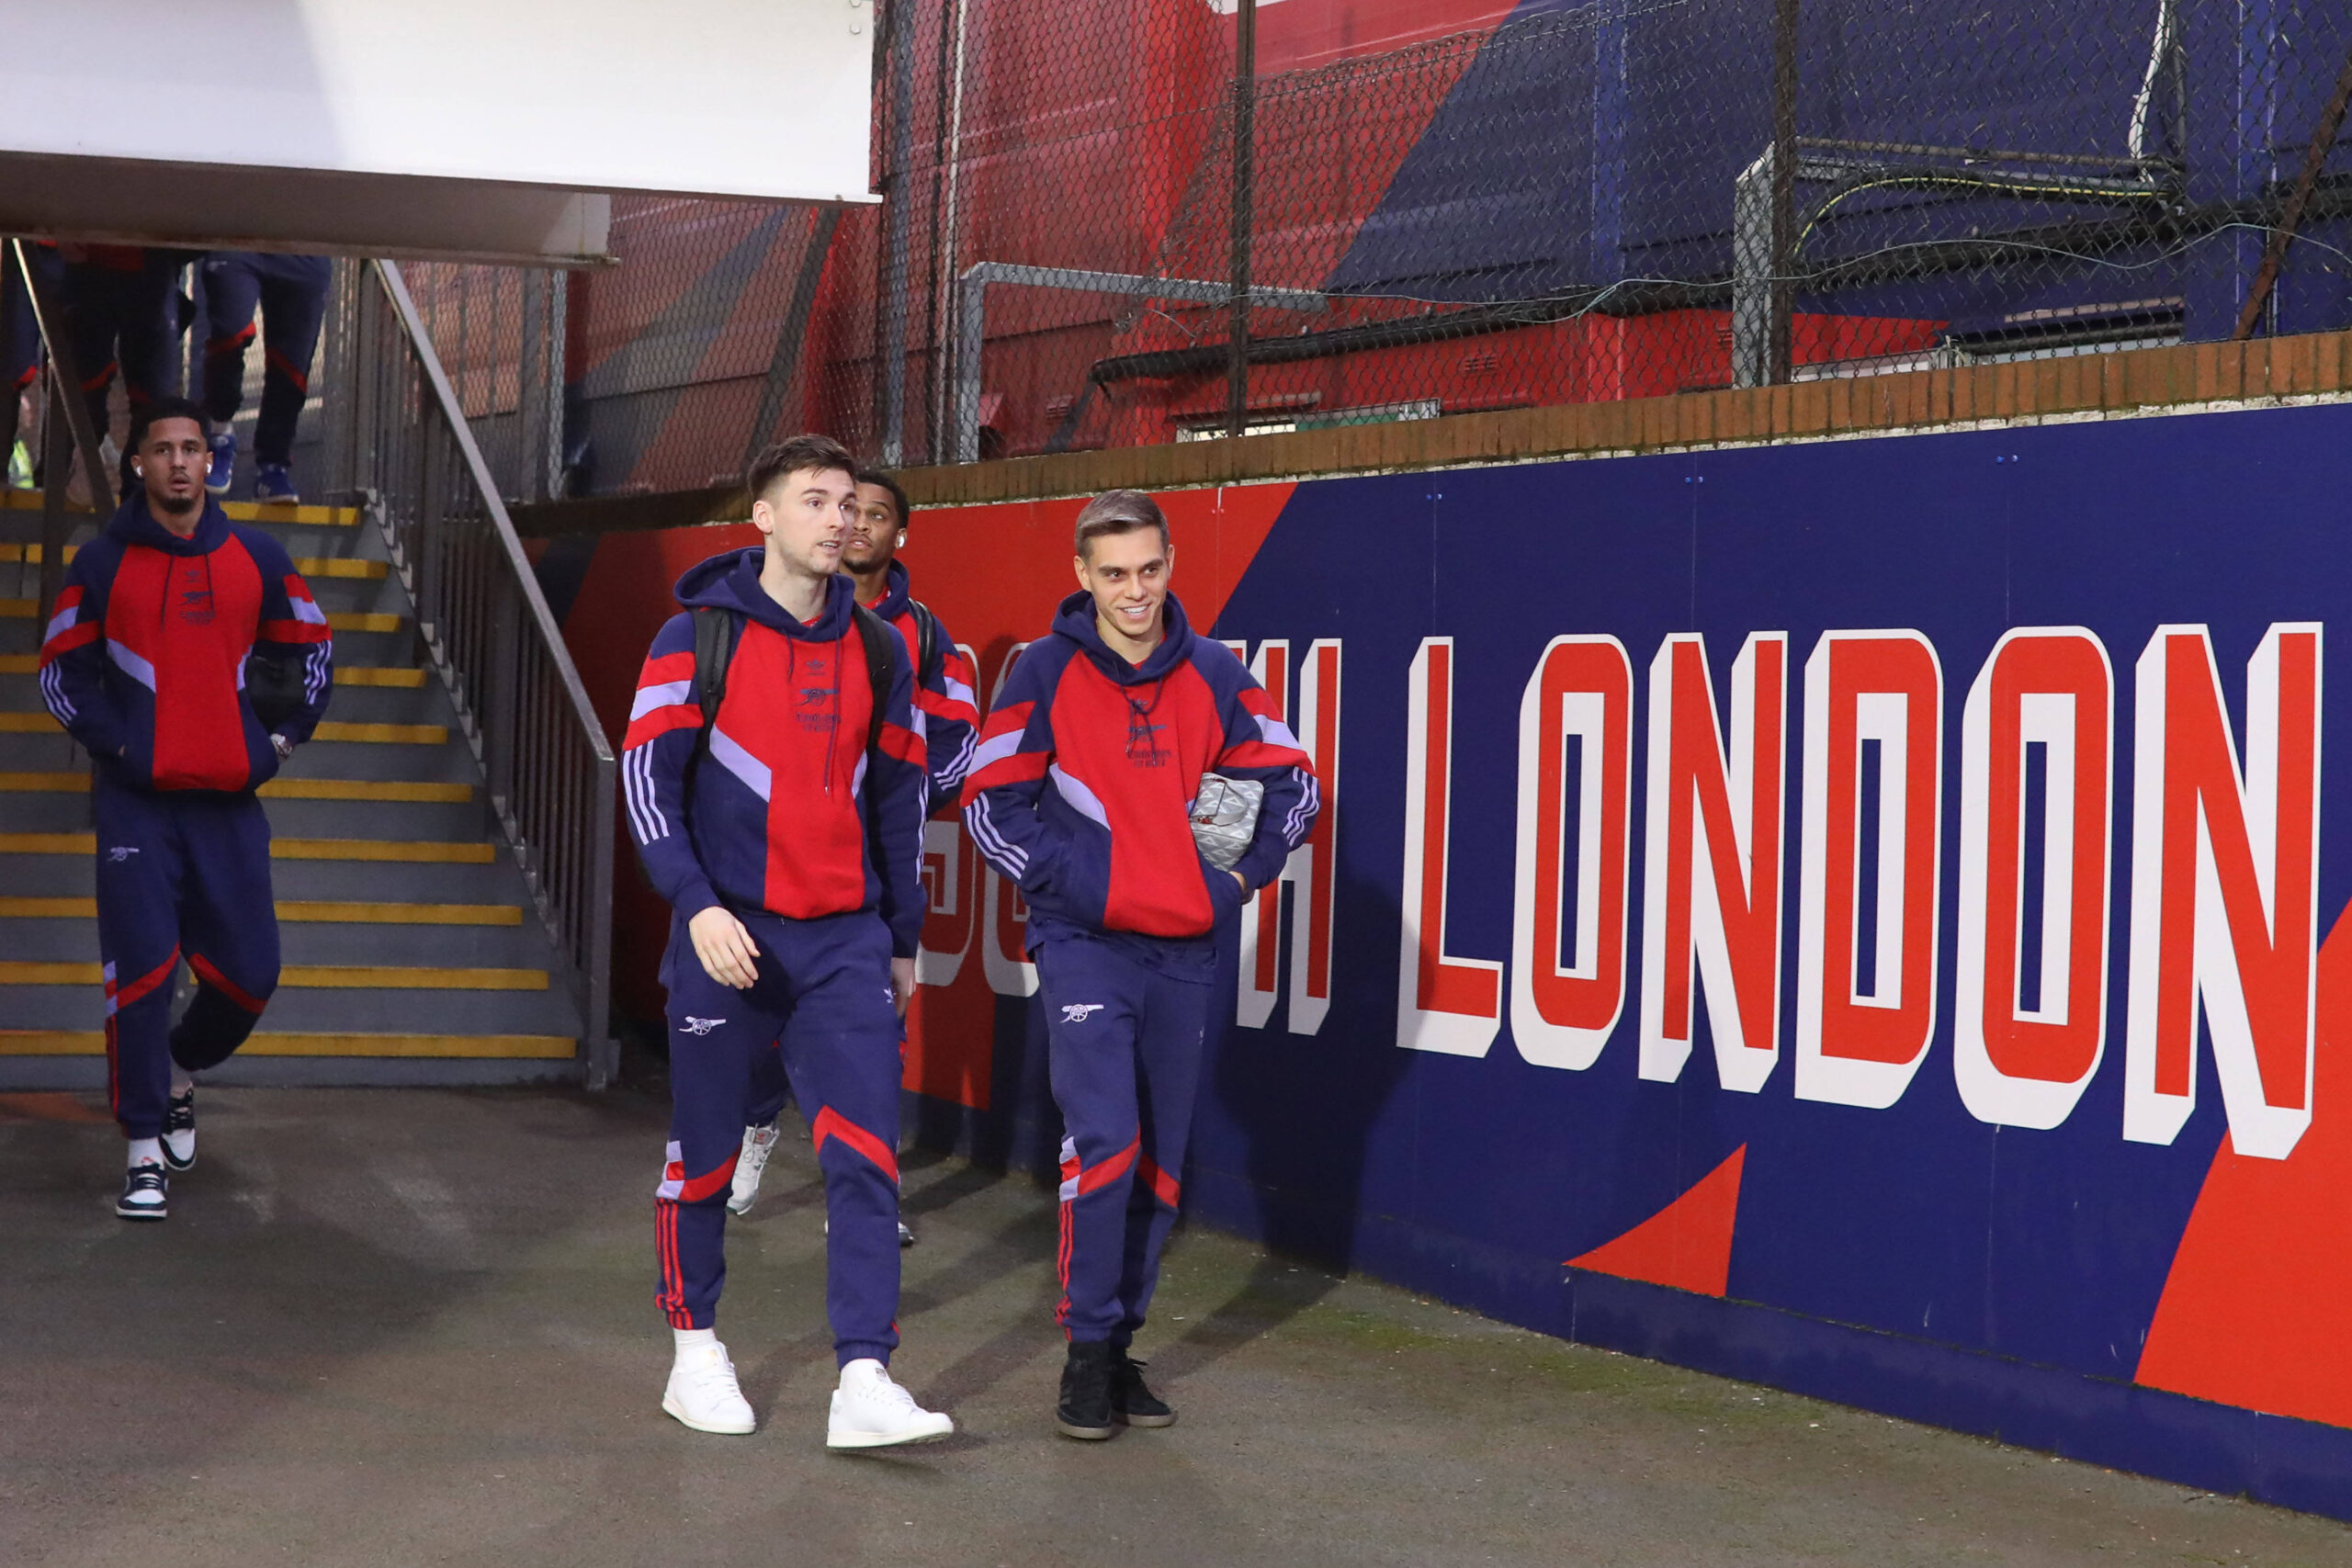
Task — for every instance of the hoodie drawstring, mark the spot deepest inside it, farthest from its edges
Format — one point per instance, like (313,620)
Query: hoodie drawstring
(1139,724)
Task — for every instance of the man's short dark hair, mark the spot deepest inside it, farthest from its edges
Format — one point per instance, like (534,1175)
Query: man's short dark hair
(898,496)
(146,416)
(798,453)
(1119,512)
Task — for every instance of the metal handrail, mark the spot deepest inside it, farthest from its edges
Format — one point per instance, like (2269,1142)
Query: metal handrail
(488,633)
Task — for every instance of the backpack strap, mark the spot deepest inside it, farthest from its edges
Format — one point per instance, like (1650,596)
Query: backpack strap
(880,666)
(928,657)
(714,650)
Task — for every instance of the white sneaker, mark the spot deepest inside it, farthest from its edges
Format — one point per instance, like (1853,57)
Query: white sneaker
(750,1166)
(872,1412)
(703,1393)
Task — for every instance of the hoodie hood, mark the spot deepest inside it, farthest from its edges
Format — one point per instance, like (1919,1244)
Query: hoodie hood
(1075,620)
(133,524)
(894,593)
(730,581)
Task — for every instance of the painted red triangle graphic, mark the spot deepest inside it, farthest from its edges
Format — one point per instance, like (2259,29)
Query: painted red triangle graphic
(1686,1245)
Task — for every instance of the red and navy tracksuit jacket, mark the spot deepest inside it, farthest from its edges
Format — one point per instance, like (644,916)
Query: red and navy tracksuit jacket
(813,840)
(145,664)
(1080,791)
(947,716)
(1082,784)
(144,659)
(782,818)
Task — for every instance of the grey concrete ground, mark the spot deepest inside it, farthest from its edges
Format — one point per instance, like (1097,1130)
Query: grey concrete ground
(407,1327)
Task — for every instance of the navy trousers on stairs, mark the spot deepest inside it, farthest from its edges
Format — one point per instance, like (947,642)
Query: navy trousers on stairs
(181,876)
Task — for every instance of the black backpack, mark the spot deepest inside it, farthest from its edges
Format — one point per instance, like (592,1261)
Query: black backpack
(715,648)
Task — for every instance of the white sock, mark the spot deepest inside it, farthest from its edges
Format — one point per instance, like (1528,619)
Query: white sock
(690,1339)
(146,1151)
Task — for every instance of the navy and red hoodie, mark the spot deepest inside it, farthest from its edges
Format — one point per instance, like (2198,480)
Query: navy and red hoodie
(1081,787)
(785,814)
(144,659)
(947,716)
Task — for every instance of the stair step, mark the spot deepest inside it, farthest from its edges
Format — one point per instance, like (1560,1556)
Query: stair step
(404,852)
(378,675)
(345,675)
(527,1047)
(307,976)
(383,734)
(346,567)
(78,782)
(307,911)
(12,499)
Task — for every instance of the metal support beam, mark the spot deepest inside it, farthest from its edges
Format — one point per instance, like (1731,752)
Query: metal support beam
(1245,148)
(972,325)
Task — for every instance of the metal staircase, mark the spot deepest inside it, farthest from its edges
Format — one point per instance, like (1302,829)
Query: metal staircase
(442,849)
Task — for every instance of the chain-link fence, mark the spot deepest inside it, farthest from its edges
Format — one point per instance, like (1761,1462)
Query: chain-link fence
(1523,205)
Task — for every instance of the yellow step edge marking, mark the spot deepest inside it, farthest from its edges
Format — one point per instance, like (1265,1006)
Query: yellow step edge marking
(78,782)
(42,723)
(309,976)
(494,1047)
(351,621)
(378,675)
(345,674)
(302,911)
(346,567)
(14,500)
(366,789)
(75,782)
(379,734)
(17,609)
(423,851)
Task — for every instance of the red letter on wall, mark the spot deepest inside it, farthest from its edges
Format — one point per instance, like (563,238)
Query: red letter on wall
(1563,1013)
(2023,1061)
(1710,883)
(1452,1005)
(1311,869)
(1862,1036)
(2225,884)
(1004,918)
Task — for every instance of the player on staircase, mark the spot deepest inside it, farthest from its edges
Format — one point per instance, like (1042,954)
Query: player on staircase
(187,655)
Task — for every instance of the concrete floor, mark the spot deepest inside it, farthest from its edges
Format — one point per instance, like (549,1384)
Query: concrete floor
(408,1326)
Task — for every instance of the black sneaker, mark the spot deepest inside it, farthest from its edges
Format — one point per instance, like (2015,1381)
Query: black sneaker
(179,1130)
(143,1193)
(1133,1402)
(1085,1409)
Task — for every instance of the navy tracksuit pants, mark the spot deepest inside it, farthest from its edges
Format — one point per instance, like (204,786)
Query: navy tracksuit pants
(292,294)
(823,1000)
(1123,1043)
(181,877)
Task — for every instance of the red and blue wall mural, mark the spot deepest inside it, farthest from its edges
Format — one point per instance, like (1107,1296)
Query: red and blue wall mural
(1860,916)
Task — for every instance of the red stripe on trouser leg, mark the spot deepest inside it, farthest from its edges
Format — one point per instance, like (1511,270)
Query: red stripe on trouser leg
(285,366)
(127,995)
(1164,1187)
(710,1181)
(1110,1169)
(831,1124)
(210,975)
(671,1297)
(236,344)
(1061,1245)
